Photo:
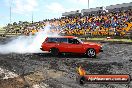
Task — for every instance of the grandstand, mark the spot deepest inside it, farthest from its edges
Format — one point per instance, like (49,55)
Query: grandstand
(91,11)
(113,20)
(2,31)
(71,13)
(119,7)
(97,21)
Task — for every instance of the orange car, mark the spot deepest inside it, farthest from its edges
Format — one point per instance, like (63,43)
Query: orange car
(70,44)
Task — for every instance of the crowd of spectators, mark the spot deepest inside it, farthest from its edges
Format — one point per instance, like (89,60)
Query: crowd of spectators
(102,24)
(108,23)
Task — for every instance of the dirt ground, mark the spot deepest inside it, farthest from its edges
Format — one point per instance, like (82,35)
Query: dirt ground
(45,71)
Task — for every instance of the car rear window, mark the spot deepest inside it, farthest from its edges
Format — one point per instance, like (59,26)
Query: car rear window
(52,40)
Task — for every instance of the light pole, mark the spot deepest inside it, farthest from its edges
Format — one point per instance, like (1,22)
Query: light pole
(88,4)
(10,14)
(32,17)
(11,11)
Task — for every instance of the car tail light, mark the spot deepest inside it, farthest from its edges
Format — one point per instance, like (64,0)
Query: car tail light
(46,39)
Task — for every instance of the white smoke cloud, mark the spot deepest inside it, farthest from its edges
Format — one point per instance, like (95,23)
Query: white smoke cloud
(27,44)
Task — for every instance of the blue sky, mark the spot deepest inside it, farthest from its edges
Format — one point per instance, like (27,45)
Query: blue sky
(45,9)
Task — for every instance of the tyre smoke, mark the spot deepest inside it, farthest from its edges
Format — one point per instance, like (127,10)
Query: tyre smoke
(27,44)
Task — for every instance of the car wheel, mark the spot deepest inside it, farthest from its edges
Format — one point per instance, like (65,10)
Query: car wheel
(54,51)
(91,53)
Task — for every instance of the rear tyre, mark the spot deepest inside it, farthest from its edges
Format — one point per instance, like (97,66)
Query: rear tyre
(54,51)
(91,53)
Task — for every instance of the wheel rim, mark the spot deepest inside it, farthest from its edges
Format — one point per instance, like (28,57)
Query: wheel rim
(91,52)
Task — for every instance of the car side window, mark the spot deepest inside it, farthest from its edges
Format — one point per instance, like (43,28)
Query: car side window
(51,40)
(63,40)
(70,41)
(73,41)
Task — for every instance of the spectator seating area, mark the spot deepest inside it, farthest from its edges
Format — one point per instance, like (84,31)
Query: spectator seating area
(117,23)
(105,23)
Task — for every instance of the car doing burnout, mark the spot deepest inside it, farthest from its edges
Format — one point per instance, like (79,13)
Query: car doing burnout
(70,44)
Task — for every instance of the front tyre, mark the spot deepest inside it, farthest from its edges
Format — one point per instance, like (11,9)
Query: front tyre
(91,53)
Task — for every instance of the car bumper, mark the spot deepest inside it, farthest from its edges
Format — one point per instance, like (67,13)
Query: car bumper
(101,50)
(42,49)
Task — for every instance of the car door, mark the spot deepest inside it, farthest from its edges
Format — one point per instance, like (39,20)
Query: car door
(74,46)
(62,44)
(50,43)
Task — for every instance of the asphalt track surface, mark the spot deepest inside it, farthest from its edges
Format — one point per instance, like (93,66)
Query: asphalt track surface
(46,71)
